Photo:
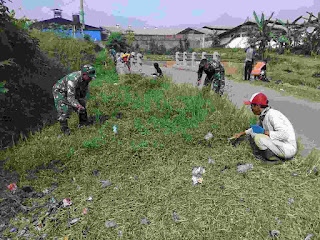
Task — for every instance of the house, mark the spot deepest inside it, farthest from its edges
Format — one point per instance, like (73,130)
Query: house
(143,37)
(72,28)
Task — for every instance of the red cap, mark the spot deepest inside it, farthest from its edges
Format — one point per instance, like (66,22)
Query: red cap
(257,98)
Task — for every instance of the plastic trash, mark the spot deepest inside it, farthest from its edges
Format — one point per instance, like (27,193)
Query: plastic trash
(90,198)
(208,136)
(74,220)
(67,202)
(12,187)
(290,201)
(277,219)
(115,129)
(105,183)
(244,168)
(96,173)
(116,187)
(145,221)
(309,236)
(120,233)
(210,160)
(197,175)
(175,217)
(274,233)
(85,211)
(294,174)
(111,224)
(14,229)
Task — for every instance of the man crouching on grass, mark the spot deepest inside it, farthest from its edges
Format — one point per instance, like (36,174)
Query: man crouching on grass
(273,140)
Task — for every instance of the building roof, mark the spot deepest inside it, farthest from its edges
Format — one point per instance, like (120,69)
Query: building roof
(219,27)
(196,31)
(157,31)
(61,21)
(113,29)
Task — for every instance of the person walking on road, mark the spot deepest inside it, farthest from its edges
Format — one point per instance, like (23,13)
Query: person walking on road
(248,63)
(273,140)
(70,94)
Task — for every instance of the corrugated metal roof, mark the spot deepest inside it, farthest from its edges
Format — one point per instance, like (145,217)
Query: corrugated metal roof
(219,27)
(157,31)
(113,29)
(61,21)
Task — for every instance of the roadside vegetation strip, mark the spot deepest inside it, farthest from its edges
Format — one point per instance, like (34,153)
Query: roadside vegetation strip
(146,170)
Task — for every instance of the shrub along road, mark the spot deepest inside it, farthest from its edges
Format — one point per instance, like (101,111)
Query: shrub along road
(304,115)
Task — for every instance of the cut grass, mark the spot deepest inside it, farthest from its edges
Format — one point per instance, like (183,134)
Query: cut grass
(158,139)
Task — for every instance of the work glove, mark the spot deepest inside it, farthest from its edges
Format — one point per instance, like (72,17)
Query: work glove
(257,129)
(80,109)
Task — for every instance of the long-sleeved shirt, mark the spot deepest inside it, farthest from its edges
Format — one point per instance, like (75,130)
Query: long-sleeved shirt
(279,127)
(73,87)
(250,53)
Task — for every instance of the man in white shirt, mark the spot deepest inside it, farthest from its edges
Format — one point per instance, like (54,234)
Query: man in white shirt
(274,139)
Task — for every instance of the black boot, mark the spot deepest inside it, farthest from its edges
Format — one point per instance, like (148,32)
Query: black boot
(64,127)
(83,119)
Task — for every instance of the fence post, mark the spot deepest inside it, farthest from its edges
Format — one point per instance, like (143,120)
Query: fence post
(185,58)
(177,58)
(203,55)
(193,61)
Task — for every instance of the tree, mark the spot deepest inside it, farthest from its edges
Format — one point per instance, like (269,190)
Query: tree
(116,42)
(130,38)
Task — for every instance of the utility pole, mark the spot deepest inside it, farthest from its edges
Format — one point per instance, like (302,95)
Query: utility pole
(82,17)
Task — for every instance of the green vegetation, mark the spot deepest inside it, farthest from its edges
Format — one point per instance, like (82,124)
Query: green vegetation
(158,142)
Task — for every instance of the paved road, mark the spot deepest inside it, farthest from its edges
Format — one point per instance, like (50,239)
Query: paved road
(303,114)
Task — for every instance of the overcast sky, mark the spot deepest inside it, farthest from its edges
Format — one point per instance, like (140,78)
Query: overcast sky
(164,13)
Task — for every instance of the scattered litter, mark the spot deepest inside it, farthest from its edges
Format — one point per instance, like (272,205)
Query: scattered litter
(120,233)
(96,173)
(85,232)
(315,170)
(316,75)
(225,168)
(241,200)
(46,191)
(281,90)
(23,231)
(222,187)
(115,129)
(105,183)
(90,198)
(145,221)
(78,187)
(210,160)
(116,187)
(248,209)
(12,187)
(309,236)
(85,211)
(74,220)
(290,201)
(67,202)
(175,217)
(136,177)
(197,175)
(274,233)
(278,82)
(53,200)
(244,168)
(294,174)
(111,224)
(14,229)
(208,136)
(39,227)
(277,219)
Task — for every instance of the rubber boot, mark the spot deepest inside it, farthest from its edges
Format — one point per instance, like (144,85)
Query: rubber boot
(83,119)
(64,127)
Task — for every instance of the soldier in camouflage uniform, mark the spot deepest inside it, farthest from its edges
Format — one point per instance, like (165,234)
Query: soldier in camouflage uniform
(215,73)
(70,94)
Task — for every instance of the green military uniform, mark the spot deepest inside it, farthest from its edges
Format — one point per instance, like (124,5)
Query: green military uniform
(70,92)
